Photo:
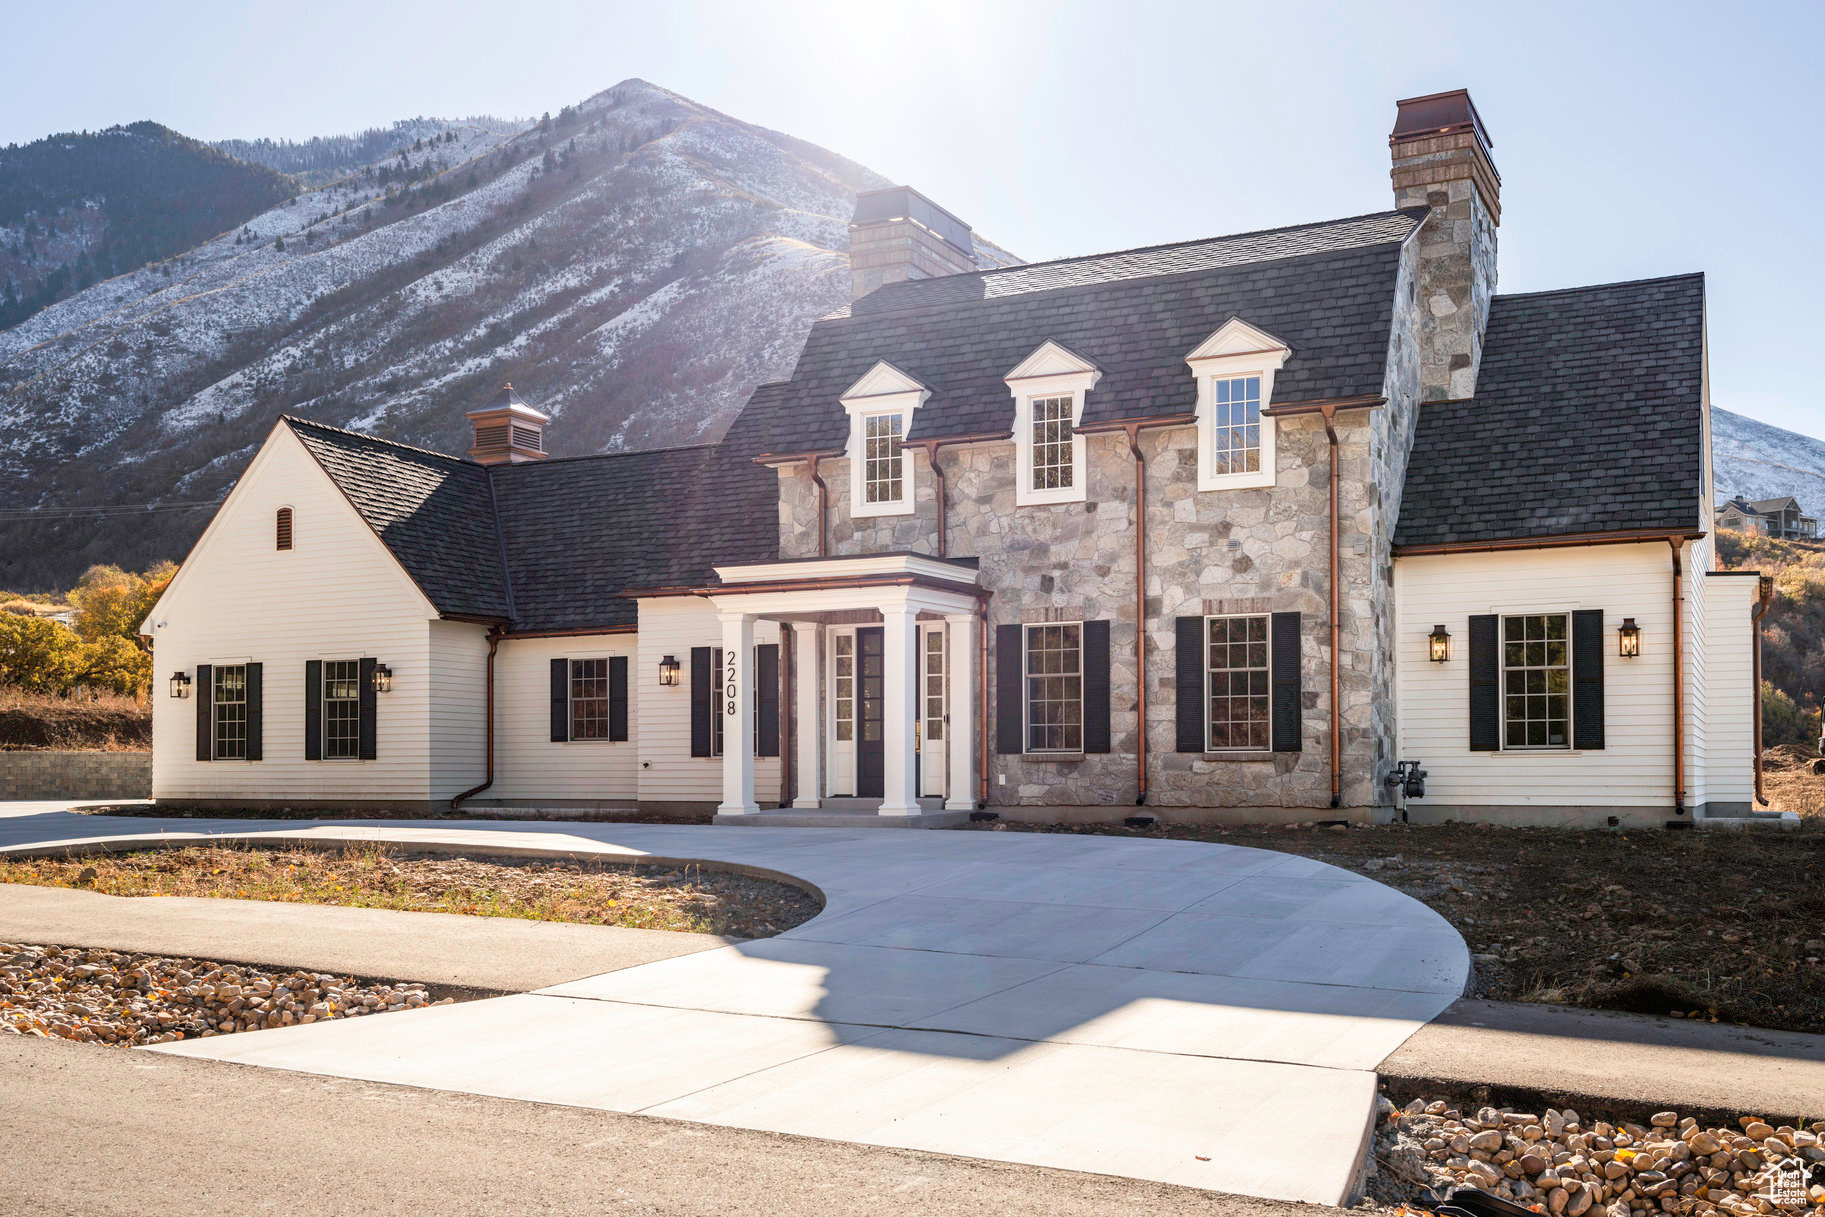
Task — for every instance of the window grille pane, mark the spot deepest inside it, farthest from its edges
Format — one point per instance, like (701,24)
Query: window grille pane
(1236,433)
(1536,681)
(720,708)
(1241,684)
(1053,468)
(589,699)
(934,685)
(845,687)
(1055,693)
(881,458)
(342,709)
(230,698)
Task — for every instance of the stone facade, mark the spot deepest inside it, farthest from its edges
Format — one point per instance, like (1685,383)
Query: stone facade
(75,775)
(1452,175)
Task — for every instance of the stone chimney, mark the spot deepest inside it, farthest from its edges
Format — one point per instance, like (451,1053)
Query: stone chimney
(1441,161)
(508,431)
(899,234)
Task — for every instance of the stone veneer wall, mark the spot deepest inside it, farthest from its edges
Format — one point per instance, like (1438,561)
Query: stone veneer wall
(75,775)
(1262,550)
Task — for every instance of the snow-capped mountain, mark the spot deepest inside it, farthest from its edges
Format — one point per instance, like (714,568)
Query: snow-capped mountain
(634,266)
(1756,460)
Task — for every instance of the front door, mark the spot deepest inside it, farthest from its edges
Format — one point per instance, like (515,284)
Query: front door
(870,755)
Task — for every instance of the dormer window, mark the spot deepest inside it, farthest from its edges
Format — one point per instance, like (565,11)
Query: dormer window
(1235,372)
(1049,388)
(880,408)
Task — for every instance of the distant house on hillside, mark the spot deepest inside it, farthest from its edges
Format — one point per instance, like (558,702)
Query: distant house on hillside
(1779,518)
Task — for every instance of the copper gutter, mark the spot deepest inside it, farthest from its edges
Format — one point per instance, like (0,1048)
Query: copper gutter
(1766,594)
(1621,536)
(1324,405)
(494,642)
(843,583)
(579,631)
(1679,682)
(1330,431)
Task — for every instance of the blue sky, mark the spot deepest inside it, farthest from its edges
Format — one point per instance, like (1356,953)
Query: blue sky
(1633,139)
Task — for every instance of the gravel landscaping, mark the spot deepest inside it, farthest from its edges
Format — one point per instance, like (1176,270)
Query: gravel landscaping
(1554,1162)
(690,899)
(126,998)
(1721,926)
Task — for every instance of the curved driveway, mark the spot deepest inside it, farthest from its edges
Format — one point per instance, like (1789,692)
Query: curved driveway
(1191,1013)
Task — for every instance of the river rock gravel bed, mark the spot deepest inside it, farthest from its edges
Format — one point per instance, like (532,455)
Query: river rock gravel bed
(127,998)
(1556,1163)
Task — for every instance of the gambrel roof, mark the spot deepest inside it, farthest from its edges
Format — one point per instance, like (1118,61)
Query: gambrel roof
(1588,417)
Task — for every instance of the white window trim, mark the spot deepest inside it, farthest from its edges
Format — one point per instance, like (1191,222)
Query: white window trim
(1235,349)
(1026,694)
(1571,685)
(884,390)
(1050,371)
(570,701)
(323,702)
(1205,663)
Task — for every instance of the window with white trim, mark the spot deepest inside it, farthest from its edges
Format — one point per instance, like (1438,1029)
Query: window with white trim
(1049,387)
(229,702)
(1235,432)
(1055,687)
(589,699)
(725,676)
(844,679)
(883,478)
(934,685)
(1536,681)
(1239,684)
(1235,369)
(341,709)
(1053,465)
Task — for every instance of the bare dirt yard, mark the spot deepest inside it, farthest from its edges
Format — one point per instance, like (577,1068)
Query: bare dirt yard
(646,897)
(1721,926)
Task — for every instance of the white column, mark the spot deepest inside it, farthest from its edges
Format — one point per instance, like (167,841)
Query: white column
(807,726)
(962,729)
(899,710)
(737,715)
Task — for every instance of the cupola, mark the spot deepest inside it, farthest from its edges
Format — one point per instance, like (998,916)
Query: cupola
(508,431)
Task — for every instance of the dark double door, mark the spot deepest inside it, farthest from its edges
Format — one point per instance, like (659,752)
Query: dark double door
(870,755)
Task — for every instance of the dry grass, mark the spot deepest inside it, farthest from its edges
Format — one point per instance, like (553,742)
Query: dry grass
(104,722)
(1790,783)
(384,877)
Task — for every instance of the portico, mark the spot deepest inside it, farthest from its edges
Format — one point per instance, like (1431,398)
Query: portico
(883,705)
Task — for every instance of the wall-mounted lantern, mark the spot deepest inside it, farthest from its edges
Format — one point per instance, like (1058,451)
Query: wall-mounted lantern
(383,678)
(1441,644)
(180,684)
(1628,638)
(668,671)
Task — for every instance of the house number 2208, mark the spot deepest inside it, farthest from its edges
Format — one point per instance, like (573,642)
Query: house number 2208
(728,691)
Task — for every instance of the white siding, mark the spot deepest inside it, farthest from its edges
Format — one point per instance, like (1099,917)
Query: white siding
(527,764)
(1633,770)
(459,698)
(1696,561)
(672,625)
(1729,688)
(337,594)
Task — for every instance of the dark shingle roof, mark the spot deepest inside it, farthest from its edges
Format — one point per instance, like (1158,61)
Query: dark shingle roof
(1327,290)
(432,511)
(1587,418)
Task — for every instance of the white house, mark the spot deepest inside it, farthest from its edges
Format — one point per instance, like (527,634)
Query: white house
(1239,529)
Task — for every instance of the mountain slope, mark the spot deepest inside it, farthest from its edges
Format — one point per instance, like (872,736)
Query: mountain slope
(79,207)
(1755,460)
(322,159)
(635,266)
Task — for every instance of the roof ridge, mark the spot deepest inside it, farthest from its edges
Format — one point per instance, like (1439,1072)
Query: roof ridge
(1174,245)
(597,456)
(294,419)
(1597,287)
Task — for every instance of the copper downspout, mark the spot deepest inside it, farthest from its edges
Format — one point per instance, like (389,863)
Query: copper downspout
(1140,610)
(1330,430)
(823,506)
(1755,616)
(1679,684)
(931,458)
(494,642)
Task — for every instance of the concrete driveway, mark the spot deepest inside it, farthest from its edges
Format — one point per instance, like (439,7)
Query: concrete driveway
(1181,1012)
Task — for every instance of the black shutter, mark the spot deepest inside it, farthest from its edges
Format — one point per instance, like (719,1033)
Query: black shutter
(1287,678)
(313,709)
(1587,679)
(1010,699)
(560,701)
(703,676)
(256,749)
(1485,686)
(1096,686)
(1188,682)
(370,734)
(766,699)
(205,712)
(617,697)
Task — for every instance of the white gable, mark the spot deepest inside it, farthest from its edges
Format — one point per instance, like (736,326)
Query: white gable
(1237,337)
(1052,359)
(884,380)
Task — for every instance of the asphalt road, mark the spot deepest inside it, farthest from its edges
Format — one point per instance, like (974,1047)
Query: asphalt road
(92,1131)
